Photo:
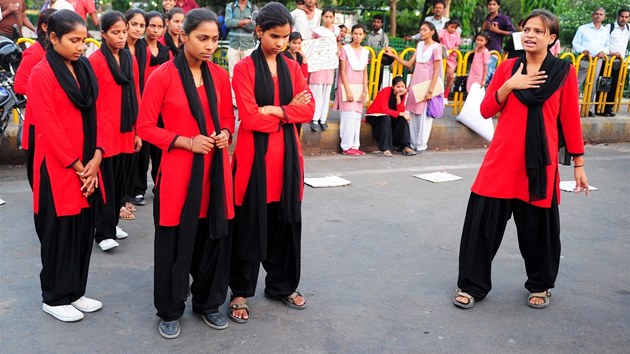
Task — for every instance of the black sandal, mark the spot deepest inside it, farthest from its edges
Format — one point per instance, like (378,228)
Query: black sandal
(290,301)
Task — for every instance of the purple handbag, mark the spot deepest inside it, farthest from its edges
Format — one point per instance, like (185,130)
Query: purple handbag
(435,107)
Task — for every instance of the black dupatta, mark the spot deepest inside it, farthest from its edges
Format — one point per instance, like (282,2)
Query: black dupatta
(141,59)
(253,220)
(170,43)
(536,147)
(83,96)
(123,75)
(217,214)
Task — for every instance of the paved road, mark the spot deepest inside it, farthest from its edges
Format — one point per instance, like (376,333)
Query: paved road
(379,266)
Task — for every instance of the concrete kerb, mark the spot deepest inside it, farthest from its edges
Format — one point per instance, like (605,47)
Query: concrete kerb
(446,133)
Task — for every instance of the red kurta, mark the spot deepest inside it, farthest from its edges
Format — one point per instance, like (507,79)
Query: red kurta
(381,104)
(59,141)
(151,69)
(108,107)
(165,95)
(503,174)
(252,121)
(32,55)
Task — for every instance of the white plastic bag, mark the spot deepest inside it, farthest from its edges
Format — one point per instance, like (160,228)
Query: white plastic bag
(470,114)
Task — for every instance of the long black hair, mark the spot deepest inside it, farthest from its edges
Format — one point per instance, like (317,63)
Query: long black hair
(194,18)
(431,26)
(63,22)
(111,17)
(272,15)
(43,18)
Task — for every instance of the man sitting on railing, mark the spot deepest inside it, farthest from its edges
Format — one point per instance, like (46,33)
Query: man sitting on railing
(618,43)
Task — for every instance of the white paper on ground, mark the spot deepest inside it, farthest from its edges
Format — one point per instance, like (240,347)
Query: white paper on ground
(322,182)
(470,114)
(437,177)
(2,201)
(569,186)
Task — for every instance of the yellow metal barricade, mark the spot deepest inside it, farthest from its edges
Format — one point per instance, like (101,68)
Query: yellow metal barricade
(25,40)
(607,72)
(623,77)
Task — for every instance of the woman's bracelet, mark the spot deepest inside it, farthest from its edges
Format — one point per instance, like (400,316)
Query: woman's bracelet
(191,143)
(576,166)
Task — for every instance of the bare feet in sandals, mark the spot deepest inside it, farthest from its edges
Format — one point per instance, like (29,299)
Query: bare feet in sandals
(130,207)
(239,311)
(125,214)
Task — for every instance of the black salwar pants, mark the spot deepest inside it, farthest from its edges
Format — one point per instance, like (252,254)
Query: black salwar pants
(283,261)
(66,248)
(115,172)
(139,178)
(209,269)
(390,132)
(538,232)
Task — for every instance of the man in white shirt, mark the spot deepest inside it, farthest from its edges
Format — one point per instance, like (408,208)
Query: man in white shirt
(306,17)
(591,40)
(617,46)
(58,5)
(438,20)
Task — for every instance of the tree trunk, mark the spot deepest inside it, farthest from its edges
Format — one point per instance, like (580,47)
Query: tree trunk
(392,17)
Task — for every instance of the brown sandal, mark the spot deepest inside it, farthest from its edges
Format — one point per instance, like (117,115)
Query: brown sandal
(290,301)
(544,295)
(236,307)
(125,214)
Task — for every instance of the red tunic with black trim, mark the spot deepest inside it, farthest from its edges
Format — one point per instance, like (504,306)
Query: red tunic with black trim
(165,95)
(253,121)
(502,173)
(31,56)
(59,141)
(108,108)
(381,104)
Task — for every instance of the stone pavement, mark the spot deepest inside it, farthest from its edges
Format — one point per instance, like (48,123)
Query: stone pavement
(379,266)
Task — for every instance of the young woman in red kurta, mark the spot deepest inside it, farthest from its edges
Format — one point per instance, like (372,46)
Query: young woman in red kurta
(193,193)
(117,107)
(272,97)
(136,20)
(160,54)
(172,36)
(519,175)
(62,90)
(32,55)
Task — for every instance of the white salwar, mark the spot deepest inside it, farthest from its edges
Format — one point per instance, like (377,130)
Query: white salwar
(420,129)
(350,130)
(321,95)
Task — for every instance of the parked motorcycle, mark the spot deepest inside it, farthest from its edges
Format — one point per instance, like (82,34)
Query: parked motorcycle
(11,105)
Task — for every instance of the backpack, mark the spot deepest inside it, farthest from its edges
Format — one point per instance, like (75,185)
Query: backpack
(612,26)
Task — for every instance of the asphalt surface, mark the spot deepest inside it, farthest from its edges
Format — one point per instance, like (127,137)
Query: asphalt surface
(378,269)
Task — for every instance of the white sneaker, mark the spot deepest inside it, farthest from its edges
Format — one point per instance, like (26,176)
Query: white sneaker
(108,244)
(65,313)
(120,233)
(85,304)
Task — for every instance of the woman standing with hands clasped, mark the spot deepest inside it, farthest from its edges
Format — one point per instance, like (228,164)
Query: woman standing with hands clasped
(272,97)
(117,107)
(193,200)
(62,90)
(519,176)
(427,63)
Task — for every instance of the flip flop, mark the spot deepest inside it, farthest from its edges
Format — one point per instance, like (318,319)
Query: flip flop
(545,295)
(468,305)
(130,207)
(290,300)
(125,214)
(236,307)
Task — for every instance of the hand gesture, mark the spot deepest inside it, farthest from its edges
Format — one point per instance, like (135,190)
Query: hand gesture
(520,81)
(202,144)
(494,27)
(303,97)
(89,185)
(389,51)
(222,140)
(581,183)
(137,143)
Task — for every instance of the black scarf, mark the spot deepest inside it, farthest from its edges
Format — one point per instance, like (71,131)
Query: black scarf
(253,222)
(141,59)
(43,40)
(536,148)
(392,101)
(161,57)
(123,75)
(171,43)
(217,214)
(83,95)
